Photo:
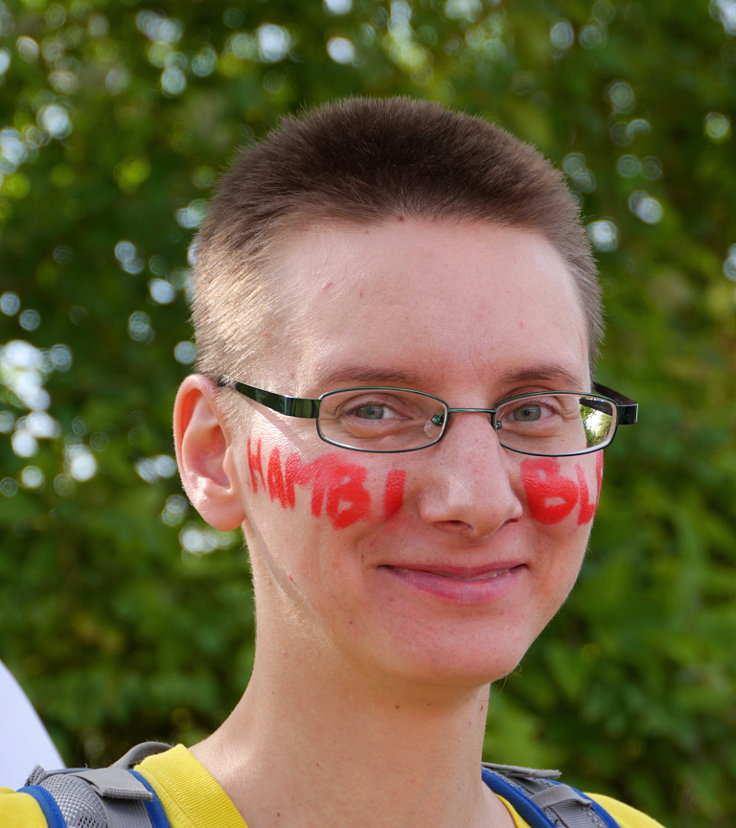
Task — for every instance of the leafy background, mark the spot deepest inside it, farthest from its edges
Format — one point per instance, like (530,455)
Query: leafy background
(122,614)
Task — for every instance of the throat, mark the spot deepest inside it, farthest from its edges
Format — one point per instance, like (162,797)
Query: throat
(385,765)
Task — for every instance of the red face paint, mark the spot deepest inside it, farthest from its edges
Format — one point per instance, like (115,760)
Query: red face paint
(393,495)
(254,464)
(336,485)
(338,488)
(552,496)
(277,489)
(588,509)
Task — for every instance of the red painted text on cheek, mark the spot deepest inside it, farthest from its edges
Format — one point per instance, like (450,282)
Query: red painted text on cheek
(254,465)
(587,509)
(338,487)
(393,495)
(552,496)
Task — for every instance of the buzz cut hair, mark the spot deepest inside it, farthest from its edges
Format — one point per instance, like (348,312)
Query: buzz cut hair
(364,161)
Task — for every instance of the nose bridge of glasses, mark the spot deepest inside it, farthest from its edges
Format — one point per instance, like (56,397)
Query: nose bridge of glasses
(491,412)
(471,410)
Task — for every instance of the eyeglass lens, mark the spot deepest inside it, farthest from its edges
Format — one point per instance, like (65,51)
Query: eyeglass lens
(380,419)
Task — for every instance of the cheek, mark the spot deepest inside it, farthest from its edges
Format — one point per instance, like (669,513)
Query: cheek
(340,492)
(555,494)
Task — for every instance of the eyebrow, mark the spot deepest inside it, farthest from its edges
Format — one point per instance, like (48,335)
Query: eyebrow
(543,373)
(363,374)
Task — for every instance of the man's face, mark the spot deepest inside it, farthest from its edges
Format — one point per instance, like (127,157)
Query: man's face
(439,565)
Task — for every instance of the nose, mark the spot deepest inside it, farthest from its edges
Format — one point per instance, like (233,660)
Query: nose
(470,485)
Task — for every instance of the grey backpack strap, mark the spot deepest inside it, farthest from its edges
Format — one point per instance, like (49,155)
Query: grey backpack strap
(111,797)
(140,752)
(561,805)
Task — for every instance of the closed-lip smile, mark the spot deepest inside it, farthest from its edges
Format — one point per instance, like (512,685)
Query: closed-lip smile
(460,584)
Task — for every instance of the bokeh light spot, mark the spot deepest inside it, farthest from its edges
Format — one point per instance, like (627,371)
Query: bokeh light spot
(562,35)
(161,291)
(646,207)
(174,510)
(191,216)
(621,96)
(603,234)
(31,477)
(729,266)
(338,6)
(139,327)
(28,49)
(55,120)
(628,166)
(7,421)
(29,319)
(80,462)
(341,50)
(185,352)
(8,487)
(173,80)
(717,127)
(9,303)
(273,42)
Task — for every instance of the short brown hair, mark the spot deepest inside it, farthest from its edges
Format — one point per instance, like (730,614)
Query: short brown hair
(364,160)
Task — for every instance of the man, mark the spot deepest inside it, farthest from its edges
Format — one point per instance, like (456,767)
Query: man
(396,314)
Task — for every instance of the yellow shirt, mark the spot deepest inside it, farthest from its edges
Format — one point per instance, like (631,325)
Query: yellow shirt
(193,799)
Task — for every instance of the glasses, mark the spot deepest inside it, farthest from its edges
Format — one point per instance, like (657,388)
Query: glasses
(391,420)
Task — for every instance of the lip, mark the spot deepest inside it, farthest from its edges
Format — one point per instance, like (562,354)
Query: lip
(460,584)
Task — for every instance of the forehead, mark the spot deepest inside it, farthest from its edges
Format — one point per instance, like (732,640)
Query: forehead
(421,302)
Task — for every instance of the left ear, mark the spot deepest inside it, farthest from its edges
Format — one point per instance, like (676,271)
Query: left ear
(203,450)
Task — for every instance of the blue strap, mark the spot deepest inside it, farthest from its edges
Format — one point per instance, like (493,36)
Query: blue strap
(530,811)
(155,809)
(606,818)
(526,809)
(48,805)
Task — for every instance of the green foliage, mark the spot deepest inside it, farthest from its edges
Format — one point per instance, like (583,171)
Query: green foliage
(123,615)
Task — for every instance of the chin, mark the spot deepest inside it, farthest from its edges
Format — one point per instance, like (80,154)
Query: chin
(464,670)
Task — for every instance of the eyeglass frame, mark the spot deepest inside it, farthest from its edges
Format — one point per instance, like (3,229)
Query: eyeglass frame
(627,411)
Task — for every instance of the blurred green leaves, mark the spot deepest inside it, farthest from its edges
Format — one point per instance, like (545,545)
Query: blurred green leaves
(123,615)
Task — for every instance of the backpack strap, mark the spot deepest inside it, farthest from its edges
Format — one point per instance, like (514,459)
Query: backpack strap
(140,752)
(112,797)
(543,801)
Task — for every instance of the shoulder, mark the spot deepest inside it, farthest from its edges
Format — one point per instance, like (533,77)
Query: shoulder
(20,810)
(190,795)
(625,815)
(520,787)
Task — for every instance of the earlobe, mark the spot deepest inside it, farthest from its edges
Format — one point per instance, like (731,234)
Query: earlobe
(202,452)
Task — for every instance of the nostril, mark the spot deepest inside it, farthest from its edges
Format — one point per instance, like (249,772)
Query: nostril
(457,526)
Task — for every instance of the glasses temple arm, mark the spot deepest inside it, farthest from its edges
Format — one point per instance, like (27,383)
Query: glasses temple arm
(628,410)
(291,406)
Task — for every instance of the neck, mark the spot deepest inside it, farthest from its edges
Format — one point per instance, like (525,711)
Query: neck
(322,746)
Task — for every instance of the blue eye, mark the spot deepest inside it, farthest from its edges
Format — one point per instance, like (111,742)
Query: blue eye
(527,413)
(371,412)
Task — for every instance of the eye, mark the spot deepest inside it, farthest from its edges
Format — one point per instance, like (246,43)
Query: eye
(386,408)
(537,414)
(527,413)
(530,411)
(372,411)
